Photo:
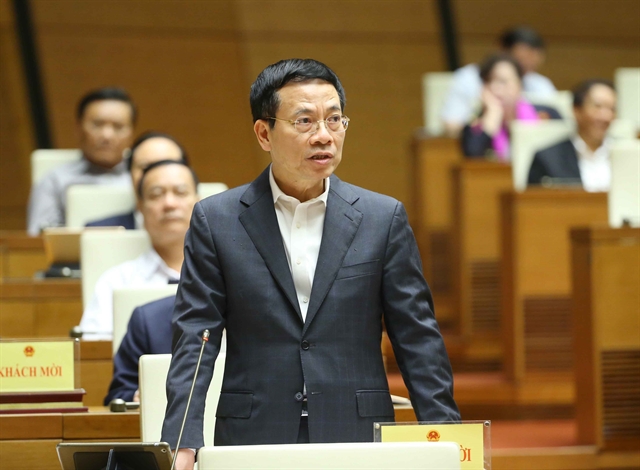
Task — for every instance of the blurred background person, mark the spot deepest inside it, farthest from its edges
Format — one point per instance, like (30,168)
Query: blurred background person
(502,103)
(105,124)
(465,93)
(148,148)
(583,159)
(167,193)
(148,332)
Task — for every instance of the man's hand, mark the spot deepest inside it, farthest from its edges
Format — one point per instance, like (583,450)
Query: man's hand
(185,459)
(493,115)
(136,396)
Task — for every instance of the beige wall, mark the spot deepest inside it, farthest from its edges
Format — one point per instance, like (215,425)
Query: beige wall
(189,65)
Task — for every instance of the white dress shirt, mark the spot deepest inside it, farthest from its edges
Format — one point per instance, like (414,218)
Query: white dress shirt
(595,167)
(48,199)
(301,225)
(147,270)
(463,97)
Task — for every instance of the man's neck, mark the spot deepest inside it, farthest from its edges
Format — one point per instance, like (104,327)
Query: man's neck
(592,144)
(302,193)
(172,255)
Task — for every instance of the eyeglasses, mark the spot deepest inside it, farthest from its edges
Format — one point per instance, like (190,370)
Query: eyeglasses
(334,123)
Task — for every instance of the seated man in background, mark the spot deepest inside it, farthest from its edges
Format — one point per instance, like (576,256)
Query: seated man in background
(148,332)
(584,159)
(502,103)
(105,122)
(149,148)
(167,193)
(527,47)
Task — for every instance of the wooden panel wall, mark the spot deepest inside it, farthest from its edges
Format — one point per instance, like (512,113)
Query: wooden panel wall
(189,65)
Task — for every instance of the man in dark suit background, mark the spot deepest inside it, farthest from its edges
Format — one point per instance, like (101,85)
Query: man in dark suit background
(584,159)
(148,332)
(301,269)
(149,148)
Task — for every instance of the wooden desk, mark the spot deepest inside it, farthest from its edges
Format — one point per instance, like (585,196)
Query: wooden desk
(606,309)
(39,308)
(20,255)
(432,192)
(477,188)
(536,276)
(28,442)
(96,370)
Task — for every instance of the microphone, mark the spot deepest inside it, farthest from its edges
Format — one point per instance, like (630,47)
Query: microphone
(76,332)
(118,405)
(205,339)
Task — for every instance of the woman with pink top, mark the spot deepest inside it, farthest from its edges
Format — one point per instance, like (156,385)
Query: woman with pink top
(502,102)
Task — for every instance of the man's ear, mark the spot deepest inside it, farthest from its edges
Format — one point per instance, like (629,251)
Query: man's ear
(263,133)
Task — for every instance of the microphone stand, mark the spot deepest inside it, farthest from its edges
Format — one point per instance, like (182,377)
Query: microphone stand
(205,339)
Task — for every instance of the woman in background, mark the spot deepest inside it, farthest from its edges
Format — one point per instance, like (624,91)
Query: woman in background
(502,103)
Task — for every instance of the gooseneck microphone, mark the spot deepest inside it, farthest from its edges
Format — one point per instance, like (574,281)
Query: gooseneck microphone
(205,339)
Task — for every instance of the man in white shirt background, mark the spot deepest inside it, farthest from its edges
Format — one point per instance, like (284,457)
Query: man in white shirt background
(105,125)
(583,159)
(167,192)
(463,97)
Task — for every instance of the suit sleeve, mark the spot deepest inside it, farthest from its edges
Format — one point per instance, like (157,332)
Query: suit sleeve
(475,142)
(200,304)
(537,171)
(412,328)
(135,343)
(45,206)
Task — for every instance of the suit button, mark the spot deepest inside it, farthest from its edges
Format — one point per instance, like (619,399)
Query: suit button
(299,396)
(305,345)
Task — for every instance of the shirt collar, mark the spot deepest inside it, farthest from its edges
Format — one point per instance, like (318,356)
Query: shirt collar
(119,169)
(584,152)
(277,192)
(152,263)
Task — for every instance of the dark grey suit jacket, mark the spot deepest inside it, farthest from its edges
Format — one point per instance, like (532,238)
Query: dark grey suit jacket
(128,221)
(558,161)
(235,275)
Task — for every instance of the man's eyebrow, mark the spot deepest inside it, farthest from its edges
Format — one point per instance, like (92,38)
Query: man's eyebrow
(335,107)
(303,111)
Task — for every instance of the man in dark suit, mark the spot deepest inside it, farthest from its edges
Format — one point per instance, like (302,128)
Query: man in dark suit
(584,159)
(301,269)
(149,148)
(148,332)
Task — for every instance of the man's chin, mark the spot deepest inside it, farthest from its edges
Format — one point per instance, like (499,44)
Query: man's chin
(105,160)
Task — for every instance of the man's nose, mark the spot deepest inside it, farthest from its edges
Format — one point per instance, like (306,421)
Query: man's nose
(321,133)
(107,132)
(170,200)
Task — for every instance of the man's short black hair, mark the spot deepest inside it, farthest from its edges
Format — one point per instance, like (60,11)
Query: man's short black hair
(581,91)
(151,135)
(107,93)
(486,67)
(264,91)
(521,35)
(196,181)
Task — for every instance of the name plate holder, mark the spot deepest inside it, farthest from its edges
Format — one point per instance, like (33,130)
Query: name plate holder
(473,437)
(40,376)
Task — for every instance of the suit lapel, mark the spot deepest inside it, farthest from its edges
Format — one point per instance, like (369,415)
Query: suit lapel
(341,223)
(572,161)
(261,224)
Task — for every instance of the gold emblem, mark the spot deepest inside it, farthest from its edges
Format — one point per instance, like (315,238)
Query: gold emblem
(433,436)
